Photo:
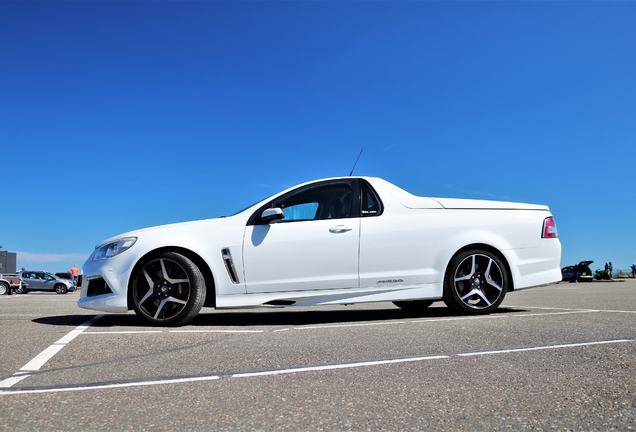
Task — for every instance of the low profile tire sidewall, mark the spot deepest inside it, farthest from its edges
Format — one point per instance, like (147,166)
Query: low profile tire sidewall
(197,292)
(451,297)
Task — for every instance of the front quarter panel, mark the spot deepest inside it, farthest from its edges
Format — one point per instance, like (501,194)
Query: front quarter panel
(203,239)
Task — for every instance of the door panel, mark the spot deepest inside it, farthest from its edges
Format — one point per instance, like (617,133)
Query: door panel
(401,248)
(302,255)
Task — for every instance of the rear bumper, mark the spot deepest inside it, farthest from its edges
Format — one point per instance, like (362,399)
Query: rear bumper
(537,266)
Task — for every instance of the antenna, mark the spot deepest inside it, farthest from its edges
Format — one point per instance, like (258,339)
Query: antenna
(354,165)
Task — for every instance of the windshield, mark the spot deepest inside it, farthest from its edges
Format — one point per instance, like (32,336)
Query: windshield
(243,209)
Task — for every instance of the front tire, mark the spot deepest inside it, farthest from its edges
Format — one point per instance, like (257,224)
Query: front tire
(168,290)
(476,282)
(4,288)
(61,289)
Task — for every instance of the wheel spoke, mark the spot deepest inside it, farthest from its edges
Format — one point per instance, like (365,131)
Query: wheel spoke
(478,281)
(166,300)
(150,287)
(494,284)
(166,277)
(478,292)
(162,290)
(489,279)
(472,271)
(148,278)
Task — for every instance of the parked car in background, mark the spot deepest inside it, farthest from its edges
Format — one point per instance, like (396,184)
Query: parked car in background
(583,268)
(334,241)
(40,280)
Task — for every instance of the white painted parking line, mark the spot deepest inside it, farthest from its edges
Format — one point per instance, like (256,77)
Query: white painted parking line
(38,361)
(577,310)
(6,383)
(170,331)
(537,348)
(338,366)
(216,331)
(122,332)
(349,325)
(49,352)
(457,318)
(112,386)
(343,365)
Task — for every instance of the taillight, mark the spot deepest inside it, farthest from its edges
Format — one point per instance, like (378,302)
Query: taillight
(549,228)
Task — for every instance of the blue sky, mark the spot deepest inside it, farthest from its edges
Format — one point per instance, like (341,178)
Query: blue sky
(120,115)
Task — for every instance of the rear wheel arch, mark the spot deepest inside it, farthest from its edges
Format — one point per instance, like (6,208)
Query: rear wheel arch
(487,248)
(476,281)
(192,256)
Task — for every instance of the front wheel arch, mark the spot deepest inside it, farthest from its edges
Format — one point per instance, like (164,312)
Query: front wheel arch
(210,297)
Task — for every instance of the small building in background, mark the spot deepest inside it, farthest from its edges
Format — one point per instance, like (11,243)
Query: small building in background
(8,262)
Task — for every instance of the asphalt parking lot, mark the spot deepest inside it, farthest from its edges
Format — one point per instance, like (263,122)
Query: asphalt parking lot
(561,357)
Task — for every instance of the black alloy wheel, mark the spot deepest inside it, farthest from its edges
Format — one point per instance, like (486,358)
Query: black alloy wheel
(476,282)
(168,290)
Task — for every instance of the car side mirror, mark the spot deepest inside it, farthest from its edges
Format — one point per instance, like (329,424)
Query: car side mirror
(272,214)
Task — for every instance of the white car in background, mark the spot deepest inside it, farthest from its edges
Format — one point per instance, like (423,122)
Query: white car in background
(334,241)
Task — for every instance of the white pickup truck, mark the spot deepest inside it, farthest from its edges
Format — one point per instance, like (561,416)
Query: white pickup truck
(9,283)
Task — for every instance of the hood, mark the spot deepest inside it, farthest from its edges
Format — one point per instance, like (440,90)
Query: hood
(206,224)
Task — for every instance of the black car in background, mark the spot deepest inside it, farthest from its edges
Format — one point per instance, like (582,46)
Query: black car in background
(582,268)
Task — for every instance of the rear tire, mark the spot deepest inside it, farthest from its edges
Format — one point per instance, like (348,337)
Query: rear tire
(4,288)
(476,282)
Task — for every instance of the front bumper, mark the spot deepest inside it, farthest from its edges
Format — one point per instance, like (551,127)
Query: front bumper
(104,286)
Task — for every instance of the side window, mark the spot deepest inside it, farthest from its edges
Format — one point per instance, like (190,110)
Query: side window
(317,202)
(303,211)
(371,205)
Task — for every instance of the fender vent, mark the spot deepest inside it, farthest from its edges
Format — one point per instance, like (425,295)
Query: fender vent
(229,265)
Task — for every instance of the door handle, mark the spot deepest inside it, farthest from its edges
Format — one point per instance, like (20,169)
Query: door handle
(340,229)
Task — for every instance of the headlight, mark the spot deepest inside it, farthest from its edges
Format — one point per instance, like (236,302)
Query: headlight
(109,250)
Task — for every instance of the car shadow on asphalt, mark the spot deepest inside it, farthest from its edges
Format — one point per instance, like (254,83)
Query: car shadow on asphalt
(288,317)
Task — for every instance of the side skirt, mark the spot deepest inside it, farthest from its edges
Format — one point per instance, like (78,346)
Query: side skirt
(431,291)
